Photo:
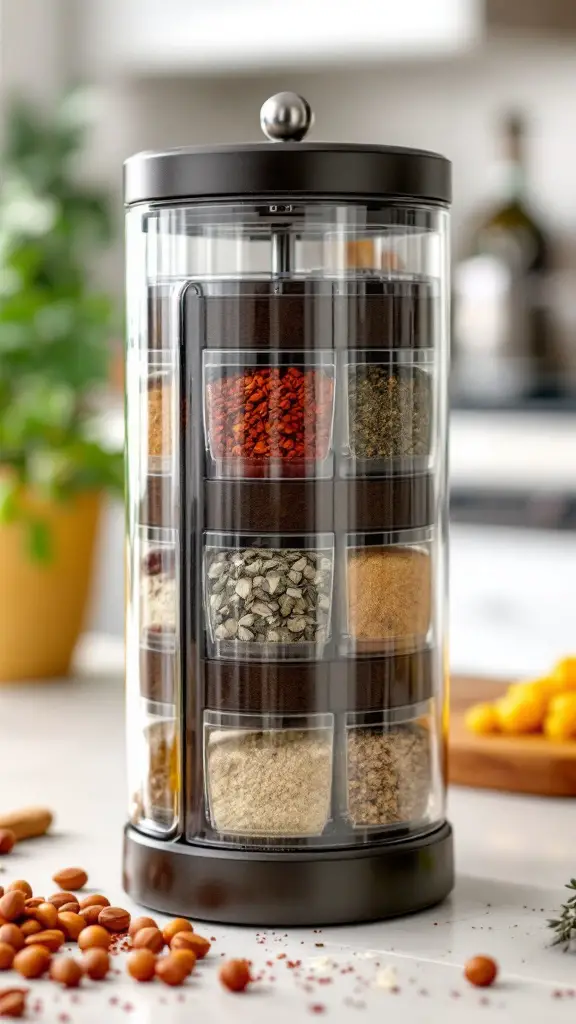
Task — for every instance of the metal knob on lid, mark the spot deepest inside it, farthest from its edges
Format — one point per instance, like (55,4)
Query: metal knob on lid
(286,117)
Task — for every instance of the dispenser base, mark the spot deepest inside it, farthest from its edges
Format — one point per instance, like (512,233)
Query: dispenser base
(303,889)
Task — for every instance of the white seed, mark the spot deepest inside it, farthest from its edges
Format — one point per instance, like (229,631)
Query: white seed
(243,587)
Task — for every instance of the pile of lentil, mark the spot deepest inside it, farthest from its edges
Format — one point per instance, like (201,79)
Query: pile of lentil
(269,595)
(389,774)
(390,411)
(275,783)
(270,413)
(389,594)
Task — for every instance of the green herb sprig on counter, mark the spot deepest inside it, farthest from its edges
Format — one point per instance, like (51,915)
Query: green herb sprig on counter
(565,925)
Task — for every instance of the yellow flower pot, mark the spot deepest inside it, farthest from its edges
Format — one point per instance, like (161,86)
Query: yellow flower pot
(42,606)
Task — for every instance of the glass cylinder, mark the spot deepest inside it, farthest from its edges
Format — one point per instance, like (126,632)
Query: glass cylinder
(287,374)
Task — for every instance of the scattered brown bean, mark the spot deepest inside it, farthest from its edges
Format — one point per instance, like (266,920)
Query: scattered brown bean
(115,919)
(481,971)
(96,963)
(12,934)
(148,938)
(12,905)
(186,956)
(71,924)
(66,971)
(21,885)
(141,922)
(69,908)
(51,938)
(12,1004)
(92,936)
(27,822)
(235,975)
(7,840)
(30,927)
(140,964)
(189,940)
(7,954)
(32,961)
(91,914)
(46,914)
(59,899)
(96,900)
(70,878)
(171,970)
(179,924)
(33,902)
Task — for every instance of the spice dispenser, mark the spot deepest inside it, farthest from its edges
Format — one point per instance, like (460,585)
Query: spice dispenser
(287,363)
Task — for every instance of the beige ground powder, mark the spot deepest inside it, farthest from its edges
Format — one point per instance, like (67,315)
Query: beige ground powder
(275,783)
(389,594)
(389,774)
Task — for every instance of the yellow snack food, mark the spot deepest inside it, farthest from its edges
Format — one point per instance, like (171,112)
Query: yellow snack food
(482,719)
(537,690)
(564,674)
(558,728)
(520,713)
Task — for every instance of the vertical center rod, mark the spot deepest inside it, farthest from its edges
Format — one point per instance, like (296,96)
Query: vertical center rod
(282,252)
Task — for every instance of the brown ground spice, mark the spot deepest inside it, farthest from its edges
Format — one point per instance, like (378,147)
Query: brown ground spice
(389,774)
(157,800)
(159,424)
(389,594)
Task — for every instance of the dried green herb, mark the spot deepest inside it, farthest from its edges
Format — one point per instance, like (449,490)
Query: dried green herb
(390,411)
(565,925)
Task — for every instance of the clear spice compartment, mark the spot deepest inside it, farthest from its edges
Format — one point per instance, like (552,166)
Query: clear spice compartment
(388,591)
(159,602)
(268,776)
(389,412)
(159,428)
(269,414)
(268,597)
(155,782)
(390,767)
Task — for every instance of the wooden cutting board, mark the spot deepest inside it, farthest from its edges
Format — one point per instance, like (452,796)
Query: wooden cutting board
(515,764)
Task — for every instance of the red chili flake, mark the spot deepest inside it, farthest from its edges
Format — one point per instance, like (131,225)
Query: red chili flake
(281,956)
(213,938)
(113,1000)
(269,963)
(64,1018)
(325,981)
(293,963)
(317,1008)
(128,1007)
(319,944)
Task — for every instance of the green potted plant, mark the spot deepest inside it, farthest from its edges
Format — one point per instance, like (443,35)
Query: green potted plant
(55,334)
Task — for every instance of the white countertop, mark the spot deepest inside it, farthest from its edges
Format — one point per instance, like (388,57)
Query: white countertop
(62,744)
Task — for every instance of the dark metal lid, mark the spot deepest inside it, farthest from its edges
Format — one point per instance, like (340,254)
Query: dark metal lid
(287,167)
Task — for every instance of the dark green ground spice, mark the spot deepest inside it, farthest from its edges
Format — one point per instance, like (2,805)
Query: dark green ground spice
(390,411)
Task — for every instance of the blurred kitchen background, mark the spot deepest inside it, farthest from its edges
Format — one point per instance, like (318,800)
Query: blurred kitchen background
(489,84)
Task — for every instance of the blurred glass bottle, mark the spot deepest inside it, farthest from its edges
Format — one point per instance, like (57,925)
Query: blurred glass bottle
(504,348)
